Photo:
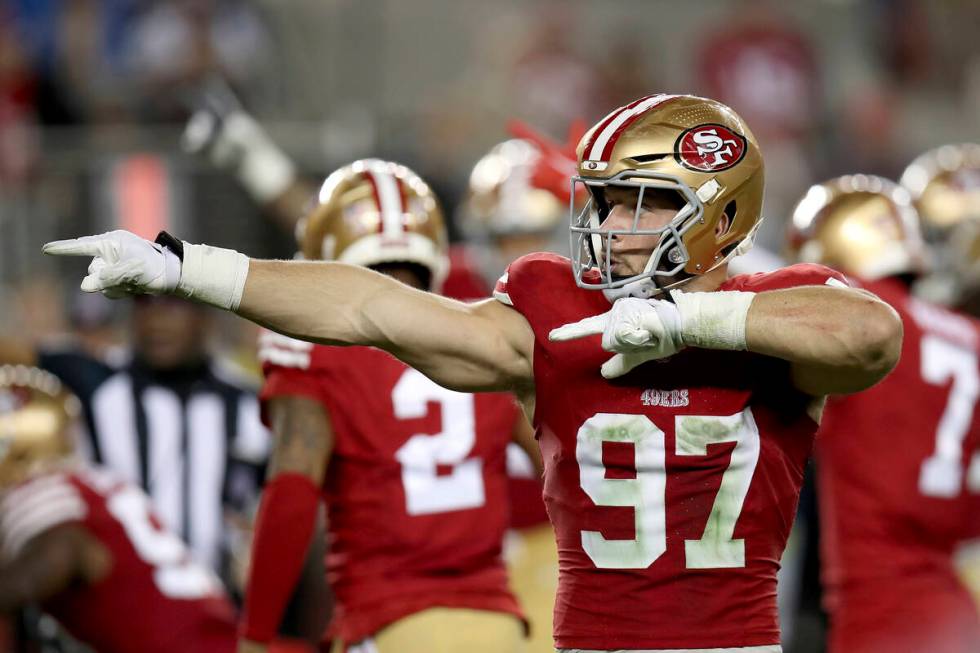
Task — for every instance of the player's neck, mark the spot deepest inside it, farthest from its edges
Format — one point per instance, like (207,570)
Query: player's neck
(707,282)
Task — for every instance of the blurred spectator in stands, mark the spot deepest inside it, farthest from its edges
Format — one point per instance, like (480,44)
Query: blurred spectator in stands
(759,63)
(75,49)
(18,133)
(179,44)
(552,84)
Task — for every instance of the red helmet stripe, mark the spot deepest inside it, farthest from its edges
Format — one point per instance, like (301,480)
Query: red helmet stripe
(388,196)
(608,119)
(369,177)
(605,140)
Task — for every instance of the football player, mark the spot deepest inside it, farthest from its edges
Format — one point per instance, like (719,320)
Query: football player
(896,463)
(86,545)
(413,475)
(945,187)
(675,407)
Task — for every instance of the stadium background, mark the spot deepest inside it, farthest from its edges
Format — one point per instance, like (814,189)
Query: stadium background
(94,96)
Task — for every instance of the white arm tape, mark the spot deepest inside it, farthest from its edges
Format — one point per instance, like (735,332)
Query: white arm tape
(213,275)
(264,170)
(713,320)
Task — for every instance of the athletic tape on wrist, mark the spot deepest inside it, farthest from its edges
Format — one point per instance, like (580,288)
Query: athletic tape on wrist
(713,320)
(213,275)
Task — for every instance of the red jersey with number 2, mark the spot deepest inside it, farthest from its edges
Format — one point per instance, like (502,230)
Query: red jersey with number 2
(416,487)
(897,473)
(672,490)
(155,597)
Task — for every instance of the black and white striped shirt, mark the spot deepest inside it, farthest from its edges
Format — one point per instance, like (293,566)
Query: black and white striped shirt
(192,439)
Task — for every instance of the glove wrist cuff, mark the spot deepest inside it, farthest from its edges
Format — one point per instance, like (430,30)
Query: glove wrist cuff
(213,275)
(713,320)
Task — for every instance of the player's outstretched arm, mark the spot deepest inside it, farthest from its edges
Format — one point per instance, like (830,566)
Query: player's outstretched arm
(466,347)
(839,340)
(484,346)
(48,564)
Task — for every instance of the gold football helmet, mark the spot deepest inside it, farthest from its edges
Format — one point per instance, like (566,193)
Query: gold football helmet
(695,147)
(36,418)
(501,199)
(859,224)
(372,212)
(945,186)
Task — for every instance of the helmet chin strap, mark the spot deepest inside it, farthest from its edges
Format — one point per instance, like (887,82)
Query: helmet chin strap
(646,288)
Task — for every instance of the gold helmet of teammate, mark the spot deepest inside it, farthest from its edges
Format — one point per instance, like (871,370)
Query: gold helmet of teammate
(696,148)
(36,418)
(945,186)
(373,212)
(859,224)
(501,198)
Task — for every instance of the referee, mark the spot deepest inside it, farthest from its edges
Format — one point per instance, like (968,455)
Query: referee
(169,419)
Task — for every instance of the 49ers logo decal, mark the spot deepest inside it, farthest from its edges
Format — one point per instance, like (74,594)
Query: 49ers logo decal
(709,148)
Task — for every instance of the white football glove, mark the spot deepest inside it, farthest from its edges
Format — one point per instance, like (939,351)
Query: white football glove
(122,264)
(641,330)
(638,330)
(125,264)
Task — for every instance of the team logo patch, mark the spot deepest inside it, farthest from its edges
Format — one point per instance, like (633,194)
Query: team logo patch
(709,148)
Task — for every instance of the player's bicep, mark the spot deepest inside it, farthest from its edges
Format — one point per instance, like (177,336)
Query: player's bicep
(303,436)
(484,346)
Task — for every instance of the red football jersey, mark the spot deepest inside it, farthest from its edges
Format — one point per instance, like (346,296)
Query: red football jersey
(416,487)
(155,598)
(895,469)
(672,490)
(464,281)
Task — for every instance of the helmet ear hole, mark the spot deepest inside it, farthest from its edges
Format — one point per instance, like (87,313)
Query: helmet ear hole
(731,210)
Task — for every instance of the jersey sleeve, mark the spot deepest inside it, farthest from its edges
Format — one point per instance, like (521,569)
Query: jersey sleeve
(802,274)
(289,367)
(515,286)
(35,508)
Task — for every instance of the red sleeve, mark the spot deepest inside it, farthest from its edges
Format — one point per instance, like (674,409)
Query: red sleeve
(802,274)
(292,368)
(36,507)
(283,531)
(518,281)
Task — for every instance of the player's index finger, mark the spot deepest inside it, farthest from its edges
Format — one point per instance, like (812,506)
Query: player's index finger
(590,326)
(84,246)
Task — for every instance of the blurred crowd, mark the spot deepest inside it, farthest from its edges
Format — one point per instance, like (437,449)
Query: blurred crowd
(95,94)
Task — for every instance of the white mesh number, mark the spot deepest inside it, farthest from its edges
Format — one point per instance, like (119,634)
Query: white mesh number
(717,547)
(175,573)
(942,472)
(646,493)
(426,491)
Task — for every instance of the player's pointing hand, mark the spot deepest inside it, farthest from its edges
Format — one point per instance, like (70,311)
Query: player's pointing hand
(638,330)
(122,263)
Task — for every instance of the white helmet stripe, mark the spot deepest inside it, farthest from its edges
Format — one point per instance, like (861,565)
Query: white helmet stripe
(390,201)
(600,142)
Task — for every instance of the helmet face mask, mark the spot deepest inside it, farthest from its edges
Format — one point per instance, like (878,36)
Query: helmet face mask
(694,149)
(591,244)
